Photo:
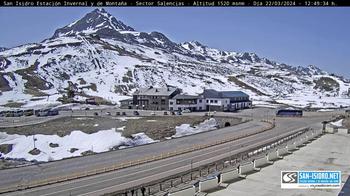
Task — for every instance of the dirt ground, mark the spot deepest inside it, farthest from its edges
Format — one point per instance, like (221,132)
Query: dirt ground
(159,128)
(346,122)
(156,127)
(63,126)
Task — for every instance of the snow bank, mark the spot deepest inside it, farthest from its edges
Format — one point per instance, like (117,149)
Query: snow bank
(325,110)
(186,129)
(101,141)
(127,118)
(338,123)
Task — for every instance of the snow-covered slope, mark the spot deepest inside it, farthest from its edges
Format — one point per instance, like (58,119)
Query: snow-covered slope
(100,56)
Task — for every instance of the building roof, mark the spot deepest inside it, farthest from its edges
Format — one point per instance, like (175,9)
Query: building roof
(229,94)
(211,93)
(166,91)
(130,99)
(180,96)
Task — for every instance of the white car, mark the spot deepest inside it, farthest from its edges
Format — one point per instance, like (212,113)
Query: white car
(186,111)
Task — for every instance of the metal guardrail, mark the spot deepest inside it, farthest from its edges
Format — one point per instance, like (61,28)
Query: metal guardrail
(123,165)
(244,156)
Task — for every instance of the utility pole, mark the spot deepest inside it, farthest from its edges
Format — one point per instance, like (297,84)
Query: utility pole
(191,168)
(34,141)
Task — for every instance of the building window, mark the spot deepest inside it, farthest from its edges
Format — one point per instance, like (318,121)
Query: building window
(200,108)
(207,101)
(162,101)
(171,108)
(215,101)
(171,103)
(200,101)
(211,101)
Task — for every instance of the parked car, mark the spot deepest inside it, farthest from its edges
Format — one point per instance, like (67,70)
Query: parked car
(18,113)
(186,111)
(136,113)
(108,113)
(10,113)
(211,114)
(28,112)
(179,113)
(173,113)
(95,113)
(53,112)
(123,113)
(165,113)
(42,112)
(87,108)
(117,113)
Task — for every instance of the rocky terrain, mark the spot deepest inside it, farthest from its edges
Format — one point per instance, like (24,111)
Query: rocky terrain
(101,56)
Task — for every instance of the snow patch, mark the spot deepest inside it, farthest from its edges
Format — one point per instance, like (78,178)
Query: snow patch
(101,141)
(186,129)
(338,123)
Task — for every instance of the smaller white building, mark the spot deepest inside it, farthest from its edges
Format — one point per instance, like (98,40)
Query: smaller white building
(211,100)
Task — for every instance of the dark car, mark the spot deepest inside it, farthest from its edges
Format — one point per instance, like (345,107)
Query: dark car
(87,108)
(28,112)
(123,113)
(173,113)
(179,113)
(95,113)
(136,113)
(117,113)
(10,114)
(42,112)
(53,112)
(165,113)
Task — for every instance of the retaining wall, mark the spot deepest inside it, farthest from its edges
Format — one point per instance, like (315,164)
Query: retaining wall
(343,131)
(246,168)
(271,156)
(184,192)
(260,162)
(208,184)
(229,176)
(282,151)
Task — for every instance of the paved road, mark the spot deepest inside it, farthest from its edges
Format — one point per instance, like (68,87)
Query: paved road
(151,171)
(256,113)
(68,166)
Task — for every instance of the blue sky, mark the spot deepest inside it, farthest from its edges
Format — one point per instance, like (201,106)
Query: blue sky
(296,36)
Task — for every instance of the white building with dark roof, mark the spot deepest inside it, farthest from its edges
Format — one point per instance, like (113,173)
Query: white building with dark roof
(151,98)
(169,98)
(211,100)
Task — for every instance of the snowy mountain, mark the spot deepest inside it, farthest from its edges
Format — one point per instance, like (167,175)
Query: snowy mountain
(101,56)
(2,49)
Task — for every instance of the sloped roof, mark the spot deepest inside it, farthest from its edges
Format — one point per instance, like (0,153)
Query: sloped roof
(211,93)
(166,91)
(179,96)
(229,94)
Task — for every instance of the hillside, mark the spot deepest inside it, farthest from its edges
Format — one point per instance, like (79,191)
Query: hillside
(101,56)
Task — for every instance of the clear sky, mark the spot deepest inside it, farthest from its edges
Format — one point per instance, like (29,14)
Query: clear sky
(295,36)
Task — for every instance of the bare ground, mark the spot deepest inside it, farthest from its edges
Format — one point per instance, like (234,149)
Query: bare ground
(156,127)
(64,126)
(159,128)
(346,122)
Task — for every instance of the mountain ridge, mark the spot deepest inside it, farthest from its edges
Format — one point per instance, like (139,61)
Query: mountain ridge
(102,56)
